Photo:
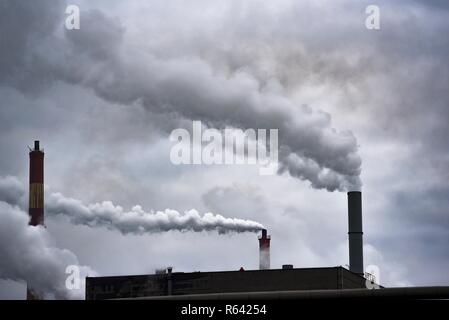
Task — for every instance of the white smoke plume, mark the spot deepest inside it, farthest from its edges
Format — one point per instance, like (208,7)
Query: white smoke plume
(136,221)
(28,255)
(187,87)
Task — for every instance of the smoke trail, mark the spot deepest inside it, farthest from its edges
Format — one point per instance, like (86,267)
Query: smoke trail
(97,57)
(27,255)
(136,221)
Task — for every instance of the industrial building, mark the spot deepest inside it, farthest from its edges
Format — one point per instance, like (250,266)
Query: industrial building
(180,283)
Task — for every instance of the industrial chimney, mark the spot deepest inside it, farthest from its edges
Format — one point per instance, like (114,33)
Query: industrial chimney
(264,250)
(355,232)
(36,196)
(36,200)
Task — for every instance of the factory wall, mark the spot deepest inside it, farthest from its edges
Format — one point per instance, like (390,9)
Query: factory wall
(220,282)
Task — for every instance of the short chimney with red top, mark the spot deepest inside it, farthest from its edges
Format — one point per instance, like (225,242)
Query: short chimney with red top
(264,250)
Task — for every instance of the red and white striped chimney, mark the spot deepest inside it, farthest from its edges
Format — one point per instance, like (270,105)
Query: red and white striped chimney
(36,197)
(264,250)
(36,203)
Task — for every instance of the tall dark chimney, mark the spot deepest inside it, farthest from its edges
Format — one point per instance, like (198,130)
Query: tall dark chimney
(355,232)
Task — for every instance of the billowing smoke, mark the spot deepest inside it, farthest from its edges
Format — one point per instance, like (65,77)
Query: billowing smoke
(12,191)
(28,255)
(187,87)
(136,221)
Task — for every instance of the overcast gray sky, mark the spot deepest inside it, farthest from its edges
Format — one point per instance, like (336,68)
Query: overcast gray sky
(351,105)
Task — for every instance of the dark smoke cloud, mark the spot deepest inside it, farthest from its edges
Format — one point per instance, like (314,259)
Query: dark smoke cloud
(98,57)
(26,29)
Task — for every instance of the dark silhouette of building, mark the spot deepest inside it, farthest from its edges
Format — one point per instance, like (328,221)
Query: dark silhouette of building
(179,283)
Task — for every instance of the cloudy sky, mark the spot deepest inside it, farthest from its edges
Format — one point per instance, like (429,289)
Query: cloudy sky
(354,107)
